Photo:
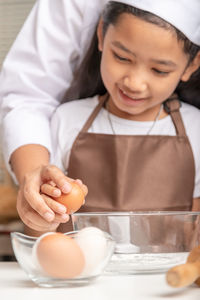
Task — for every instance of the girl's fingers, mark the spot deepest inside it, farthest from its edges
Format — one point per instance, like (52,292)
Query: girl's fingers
(85,189)
(50,190)
(79,182)
(52,183)
(31,190)
(56,176)
(83,186)
(52,173)
(54,205)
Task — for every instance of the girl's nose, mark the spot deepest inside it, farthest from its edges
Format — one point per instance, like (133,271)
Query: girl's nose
(135,83)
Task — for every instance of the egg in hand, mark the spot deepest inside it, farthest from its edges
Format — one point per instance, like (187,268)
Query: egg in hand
(73,200)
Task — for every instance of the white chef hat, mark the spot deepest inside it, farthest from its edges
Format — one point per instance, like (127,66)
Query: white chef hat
(183,14)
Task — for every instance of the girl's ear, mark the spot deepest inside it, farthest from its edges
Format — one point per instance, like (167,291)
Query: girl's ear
(193,66)
(100,35)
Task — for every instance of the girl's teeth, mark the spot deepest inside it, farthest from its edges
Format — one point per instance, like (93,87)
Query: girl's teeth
(127,95)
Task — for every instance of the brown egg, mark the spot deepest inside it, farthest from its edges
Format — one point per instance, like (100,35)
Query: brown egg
(59,256)
(74,200)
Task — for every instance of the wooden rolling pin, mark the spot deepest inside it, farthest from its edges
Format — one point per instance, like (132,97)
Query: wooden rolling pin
(188,273)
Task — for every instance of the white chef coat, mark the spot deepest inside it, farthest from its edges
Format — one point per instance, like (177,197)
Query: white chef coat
(39,68)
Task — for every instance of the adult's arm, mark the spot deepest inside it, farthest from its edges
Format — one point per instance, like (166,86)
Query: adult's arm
(38,70)
(34,78)
(27,158)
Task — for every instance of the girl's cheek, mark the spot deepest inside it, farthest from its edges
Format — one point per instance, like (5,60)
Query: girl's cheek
(106,73)
(111,71)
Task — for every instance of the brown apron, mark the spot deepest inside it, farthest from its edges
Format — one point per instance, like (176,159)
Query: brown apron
(134,172)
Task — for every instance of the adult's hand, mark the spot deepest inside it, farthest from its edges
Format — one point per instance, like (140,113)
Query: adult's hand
(38,211)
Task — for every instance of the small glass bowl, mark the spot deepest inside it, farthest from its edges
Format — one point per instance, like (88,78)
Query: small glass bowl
(23,250)
(146,242)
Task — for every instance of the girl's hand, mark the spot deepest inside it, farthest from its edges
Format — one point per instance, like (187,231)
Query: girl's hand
(38,211)
(50,189)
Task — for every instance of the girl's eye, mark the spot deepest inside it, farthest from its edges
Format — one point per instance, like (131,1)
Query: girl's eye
(121,58)
(160,72)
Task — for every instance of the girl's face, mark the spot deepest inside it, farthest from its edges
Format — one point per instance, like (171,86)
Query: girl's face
(141,66)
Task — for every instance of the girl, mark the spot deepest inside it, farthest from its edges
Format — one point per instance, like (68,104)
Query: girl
(132,141)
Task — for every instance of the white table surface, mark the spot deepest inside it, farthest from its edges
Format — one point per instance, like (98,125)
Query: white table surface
(15,285)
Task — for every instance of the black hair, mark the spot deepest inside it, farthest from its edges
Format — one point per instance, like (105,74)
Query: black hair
(87,80)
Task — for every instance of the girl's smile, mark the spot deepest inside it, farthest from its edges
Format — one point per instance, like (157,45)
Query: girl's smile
(130,100)
(141,66)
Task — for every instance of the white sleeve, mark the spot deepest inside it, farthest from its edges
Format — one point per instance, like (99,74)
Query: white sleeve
(57,153)
(38,70)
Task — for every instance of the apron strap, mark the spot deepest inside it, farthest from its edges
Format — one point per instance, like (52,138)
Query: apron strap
(172,106)
(94,113)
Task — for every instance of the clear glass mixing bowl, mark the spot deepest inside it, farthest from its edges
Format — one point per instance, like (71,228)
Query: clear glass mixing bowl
(23,250)
(146,242)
